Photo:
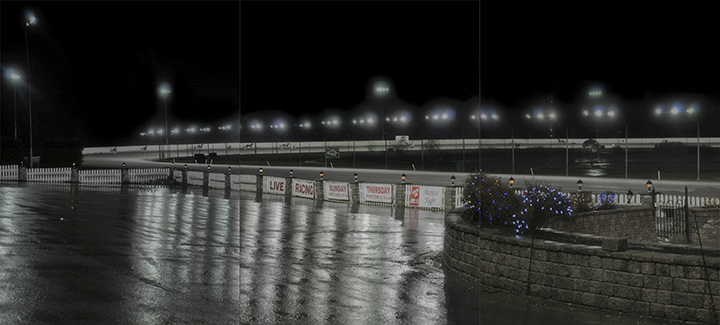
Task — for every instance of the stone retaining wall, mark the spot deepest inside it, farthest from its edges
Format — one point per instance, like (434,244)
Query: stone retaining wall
(633,223)
(708,220)
(646,281)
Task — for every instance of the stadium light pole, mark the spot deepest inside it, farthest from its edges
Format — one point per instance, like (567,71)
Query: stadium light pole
(366,121)
(381,91)
(164,91)
(691,112)
(334,122)
(30,21)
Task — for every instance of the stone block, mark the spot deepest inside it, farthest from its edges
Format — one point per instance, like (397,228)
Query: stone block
(686,299)
(657,310)
(650,281)
(662,269)
(680,285)
(641,308)
(665,283)
(633,267)
(595,287)
(681,313)
(588,299)
(697,286)
(693,272)
(615,303)
(594,262)
(663,297)
(649,295)
(705,316)
(636,280)
(615,244)
(647,268)
(619,265)
(677,271)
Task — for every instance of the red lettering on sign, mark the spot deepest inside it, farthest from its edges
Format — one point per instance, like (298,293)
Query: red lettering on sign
(415,196)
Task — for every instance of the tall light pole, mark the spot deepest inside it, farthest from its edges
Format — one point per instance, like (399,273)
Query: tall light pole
(691,112)
(496,117)
(334,122)
(30,21)
(367,121)
(551,116)
(164,92)
(381,90)
(302,126)
(15,77)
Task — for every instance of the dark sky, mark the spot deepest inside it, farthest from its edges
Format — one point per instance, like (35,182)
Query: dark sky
(96,66)
(310,58)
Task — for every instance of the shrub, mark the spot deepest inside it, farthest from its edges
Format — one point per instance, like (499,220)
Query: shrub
(492,204)
(489,201)
(606,201)
(541,204)
(582,201)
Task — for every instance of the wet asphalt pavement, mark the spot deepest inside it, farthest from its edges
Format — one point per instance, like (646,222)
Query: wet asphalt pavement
(86,254)
(312,262)
(111,255)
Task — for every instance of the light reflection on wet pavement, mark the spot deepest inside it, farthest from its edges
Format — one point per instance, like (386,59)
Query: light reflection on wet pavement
(311,262)
(123,255)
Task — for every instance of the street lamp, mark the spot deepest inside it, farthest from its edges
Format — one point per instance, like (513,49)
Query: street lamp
(403,178)
(579,184)
(452,179)
(164,92)
(511,181)
(649,185)
(356,177)
(30,20)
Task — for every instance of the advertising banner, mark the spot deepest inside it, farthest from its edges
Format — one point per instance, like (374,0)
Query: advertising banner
(303,188)
(402,139)
(274,185)
(426,196)
(337,191)
(376,192)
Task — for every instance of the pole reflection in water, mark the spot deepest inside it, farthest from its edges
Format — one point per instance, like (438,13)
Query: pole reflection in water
(110,254)
(333,263)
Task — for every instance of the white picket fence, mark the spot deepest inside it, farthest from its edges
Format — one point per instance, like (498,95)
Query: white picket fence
(8,172)
(49,175)
(235,182)
(248,183)
(194,178)
(216,180)
(100,176)
(622,198)
(146,175)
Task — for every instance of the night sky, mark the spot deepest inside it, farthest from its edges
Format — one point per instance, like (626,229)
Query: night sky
(96,67)
(96,76)
(310,60)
